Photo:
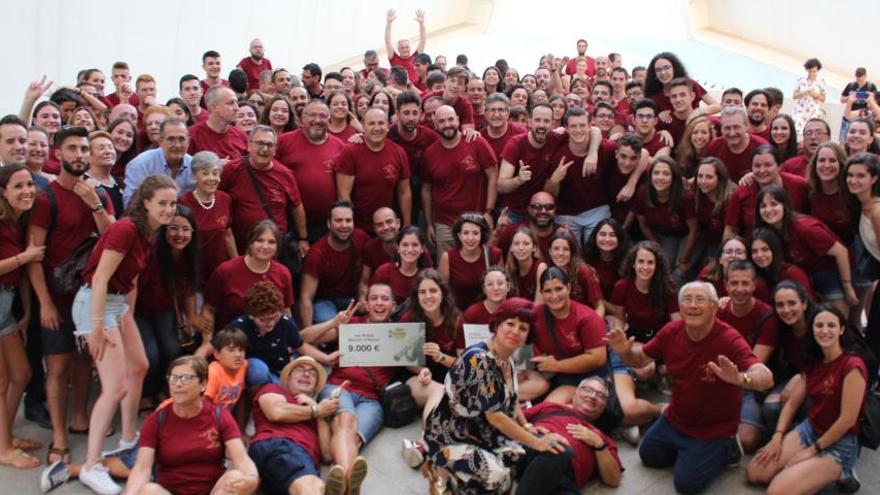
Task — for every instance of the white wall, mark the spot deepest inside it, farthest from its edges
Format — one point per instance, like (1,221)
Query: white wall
(840,33)
(166,38)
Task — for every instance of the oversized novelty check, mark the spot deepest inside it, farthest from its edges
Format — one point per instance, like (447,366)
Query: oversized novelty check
(474,334)
(382,344)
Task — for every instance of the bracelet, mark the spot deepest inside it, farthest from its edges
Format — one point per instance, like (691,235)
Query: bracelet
(17,261)
(602,447)
(817,447)
(314,411)
(780,432)
(845,281)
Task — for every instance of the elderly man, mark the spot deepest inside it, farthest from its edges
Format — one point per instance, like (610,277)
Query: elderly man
(290,430)
(704,356)
(217,133)
(590,452)
(171,160)
(735,145)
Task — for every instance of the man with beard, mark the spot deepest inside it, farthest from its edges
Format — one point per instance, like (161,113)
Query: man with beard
(281,82)
(191,93)
(311,81)
(541,221)
(217,133)
(170,159)
(571,66)
(454,95)
(499,129)
(458,177)
(757,107)
(374,173)
(414,138)
(256,63)
(309,152)
(212,67)
(816,132)
(578,184)
(526,163)
(332,268)
(278,185)
(735,145)
(298,97)
(67,214)
(589,452)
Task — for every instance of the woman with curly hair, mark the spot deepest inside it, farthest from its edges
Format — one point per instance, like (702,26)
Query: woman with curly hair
(565,254)
(462,267)
(694,144)
(662,69)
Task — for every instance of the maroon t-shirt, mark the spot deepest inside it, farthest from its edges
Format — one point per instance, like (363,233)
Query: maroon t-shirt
(788,356)
(743,202)
(571,66)
(675,128)
(153,297)
(477,314)
(189,451)
(577,193)
(230,282)
(663,102)
(506,237)
(406,63)
(738,164)
(343,135)
(616,181)
(642,319)
(540,162)
(231,143)
(711,222)
(588,291)
(252,70)
(462,107)
(608,273)
(797,165)
(499,143)
(400,284)
(337,272)
(11,244)
(449,341)
(694,385)
(465,278)
(746,325)
(113,99)
(457,177)
(302,433)
(661,218)
(279,188)
(808,242)
(527,285)
(786,272)
(312,165)
(415,148)
(654,144)
(825,390)
(376,177)
(831,210)
(124,237)
(363,380)
(583,463)
(577,333)
(212,226)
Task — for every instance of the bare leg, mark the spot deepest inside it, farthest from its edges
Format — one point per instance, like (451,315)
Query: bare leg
(425,396)
(57,377)
(562,394)
(635,411)
(18,371)
(808,476)
(345,441)
(111,371)
(532,385)
(306,485)
(750,437)
(136,366)
(81,380)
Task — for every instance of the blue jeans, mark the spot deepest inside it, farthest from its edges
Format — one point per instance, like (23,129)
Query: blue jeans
(258,374)
(582,224)
(159,335)
(367,411)
(326,309)
(695,462)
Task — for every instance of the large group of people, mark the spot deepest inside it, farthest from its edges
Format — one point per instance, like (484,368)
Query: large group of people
(621,228)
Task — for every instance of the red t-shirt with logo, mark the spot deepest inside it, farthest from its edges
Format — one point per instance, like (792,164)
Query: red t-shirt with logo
(458,178)
(746,325)
(312,165)
(661,218)
(232,143)
(825,390)
(577,333)
(694,385)
(124,237)
(579,193)
(540,162)
(738,164)
(642,319)
(230,282)
(465,278)
(337,272)
(376,177)
(212,226)
(808,243)
(189,451)
(400,284)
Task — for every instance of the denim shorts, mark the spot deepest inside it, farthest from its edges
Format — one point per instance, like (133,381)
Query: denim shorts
(280,462)
(845,451)
(617,366)
(367,411)
(867,267)
(826,282)
(115,306)
(7,320)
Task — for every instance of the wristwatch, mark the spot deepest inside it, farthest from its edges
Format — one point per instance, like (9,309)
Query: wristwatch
(746,379)
(98,208)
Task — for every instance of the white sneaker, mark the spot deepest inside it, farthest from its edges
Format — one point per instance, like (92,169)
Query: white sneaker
(630,434)
(55,475)
(98,479)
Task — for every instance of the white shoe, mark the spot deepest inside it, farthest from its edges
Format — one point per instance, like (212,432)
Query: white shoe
(413,453)
(98,479)
(55,475)
(630,434)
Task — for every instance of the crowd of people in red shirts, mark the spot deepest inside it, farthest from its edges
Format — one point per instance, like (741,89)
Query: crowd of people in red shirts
(625,226)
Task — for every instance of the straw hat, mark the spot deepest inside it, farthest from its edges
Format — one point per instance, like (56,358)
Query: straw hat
(308,361)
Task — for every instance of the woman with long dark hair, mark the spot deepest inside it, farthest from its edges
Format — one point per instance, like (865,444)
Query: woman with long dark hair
(783,136)
(605,250)
(564,253)
(711,194)
(827,195)
(863,183)
(767,254)
(124,133)
(662,69)
(400,273)
(524,264)
(462,267)
(279,115)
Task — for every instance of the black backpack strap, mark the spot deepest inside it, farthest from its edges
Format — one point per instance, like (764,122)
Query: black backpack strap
(759,325)
(259,190)
(53,210)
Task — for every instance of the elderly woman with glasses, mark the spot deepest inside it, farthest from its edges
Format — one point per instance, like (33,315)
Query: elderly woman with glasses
(188,440)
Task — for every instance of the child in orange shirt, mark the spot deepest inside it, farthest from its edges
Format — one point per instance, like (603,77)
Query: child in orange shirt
(227,373)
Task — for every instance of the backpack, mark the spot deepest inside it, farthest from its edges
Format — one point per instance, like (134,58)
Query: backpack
(67,277)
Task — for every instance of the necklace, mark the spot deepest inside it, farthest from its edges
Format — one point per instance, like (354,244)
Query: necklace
(202,204)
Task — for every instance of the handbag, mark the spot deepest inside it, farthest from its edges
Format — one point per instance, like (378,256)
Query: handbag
(398,406)
(288,251)
(67,277)
(870,422)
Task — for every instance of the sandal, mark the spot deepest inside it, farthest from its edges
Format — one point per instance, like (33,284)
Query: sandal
(18,459)
(26,444)
(63,455)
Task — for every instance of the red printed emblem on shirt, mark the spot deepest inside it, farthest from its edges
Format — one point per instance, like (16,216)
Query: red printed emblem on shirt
(390,172)
(828,386)
(212,437)
(328,167)
(707,375)
(469,164)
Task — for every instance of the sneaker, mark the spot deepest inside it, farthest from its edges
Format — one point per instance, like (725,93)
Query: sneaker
(335,484)
(55,475)
(630,434)
(124,447)
(663,384)
(98,479)
(413,453)
(736,452)
(849,482)
(356,475)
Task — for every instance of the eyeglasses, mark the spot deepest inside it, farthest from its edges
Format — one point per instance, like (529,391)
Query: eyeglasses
(306,370)
(180,230)
(182,379)
(734,252)
(542,206)
(497,110)
(591,392)
(604,116)
(694,300)
(817,133)
(263,144)
(644,116)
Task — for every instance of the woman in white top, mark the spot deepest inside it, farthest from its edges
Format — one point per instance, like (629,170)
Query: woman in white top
(809,95)
(862,174)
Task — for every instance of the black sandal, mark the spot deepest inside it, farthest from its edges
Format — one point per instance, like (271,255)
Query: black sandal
(64,454)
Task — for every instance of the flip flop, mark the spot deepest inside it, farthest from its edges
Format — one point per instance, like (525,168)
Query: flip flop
(26,444)
(63,454)
(18,459)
